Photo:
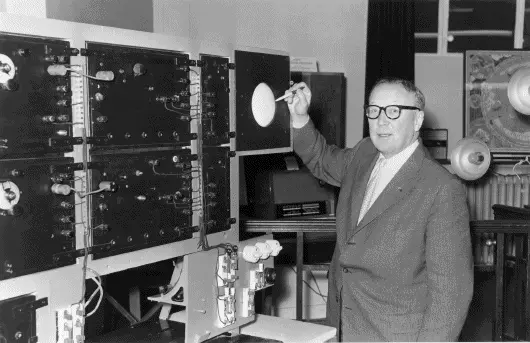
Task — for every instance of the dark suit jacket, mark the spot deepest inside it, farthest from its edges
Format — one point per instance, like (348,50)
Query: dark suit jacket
(405,273)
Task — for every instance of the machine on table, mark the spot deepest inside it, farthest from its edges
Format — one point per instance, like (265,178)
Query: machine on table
(285,193)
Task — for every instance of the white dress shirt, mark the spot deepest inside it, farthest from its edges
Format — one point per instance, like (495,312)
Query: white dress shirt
(390,168)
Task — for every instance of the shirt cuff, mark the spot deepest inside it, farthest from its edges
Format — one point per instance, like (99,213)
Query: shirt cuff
(298,123)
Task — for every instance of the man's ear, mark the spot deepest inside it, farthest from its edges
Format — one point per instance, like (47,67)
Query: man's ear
(418,122)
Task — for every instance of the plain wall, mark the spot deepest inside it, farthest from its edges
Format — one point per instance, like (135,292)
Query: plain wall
(30,8)
(441,78)
(171,17)
(125,14)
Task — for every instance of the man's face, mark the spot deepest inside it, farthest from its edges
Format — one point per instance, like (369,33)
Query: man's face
(391,136)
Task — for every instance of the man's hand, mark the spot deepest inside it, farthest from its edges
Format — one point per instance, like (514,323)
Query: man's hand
(298,103)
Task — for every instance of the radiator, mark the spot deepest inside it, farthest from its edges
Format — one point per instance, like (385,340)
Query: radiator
(496,189)
(481,195)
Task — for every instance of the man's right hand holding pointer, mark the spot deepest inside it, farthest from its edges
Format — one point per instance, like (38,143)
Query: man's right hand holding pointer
(298,104)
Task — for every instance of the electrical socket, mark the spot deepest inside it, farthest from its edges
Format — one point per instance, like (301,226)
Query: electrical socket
(226,307)
(256,280)
(195,83)
(226,291)
(226,271)
(70,324)
(247,308)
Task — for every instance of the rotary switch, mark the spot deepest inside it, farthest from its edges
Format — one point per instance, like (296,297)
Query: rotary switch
(138,69)
(9,195)
(7,69)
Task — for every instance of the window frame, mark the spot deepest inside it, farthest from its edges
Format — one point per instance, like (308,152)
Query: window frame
(443,36)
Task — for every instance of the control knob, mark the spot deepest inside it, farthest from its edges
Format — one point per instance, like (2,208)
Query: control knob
(9,195)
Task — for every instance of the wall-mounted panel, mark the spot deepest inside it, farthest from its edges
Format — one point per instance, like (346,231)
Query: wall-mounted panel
(215,99)
(141,212)
(37,219)
(148,201)
(18,322)
(262,124)
(216,186)
(35,105)
(140,97)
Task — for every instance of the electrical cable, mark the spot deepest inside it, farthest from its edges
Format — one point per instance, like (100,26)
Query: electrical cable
(172,174)
(203,240)
(174,284)
(87,76)
(100,299)
(319,292)
(176,111)
(86,232)
(217,288)
(82,195)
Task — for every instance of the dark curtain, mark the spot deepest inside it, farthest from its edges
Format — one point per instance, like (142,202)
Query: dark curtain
(389,44)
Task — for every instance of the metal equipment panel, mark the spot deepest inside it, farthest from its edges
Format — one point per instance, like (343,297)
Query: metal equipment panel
(35,106)
(215,100)
(252,70)
(36,215)
(216,185)
(149,203)
(147,100)
(18,319)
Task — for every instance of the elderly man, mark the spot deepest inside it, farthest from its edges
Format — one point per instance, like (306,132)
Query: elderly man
(402,269)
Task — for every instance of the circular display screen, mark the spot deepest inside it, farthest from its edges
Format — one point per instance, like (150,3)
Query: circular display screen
(263,105)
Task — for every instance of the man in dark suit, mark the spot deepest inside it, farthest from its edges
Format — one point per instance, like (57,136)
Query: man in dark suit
(402,269)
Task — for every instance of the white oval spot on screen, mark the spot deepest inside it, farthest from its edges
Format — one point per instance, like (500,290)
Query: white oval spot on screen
(263,105)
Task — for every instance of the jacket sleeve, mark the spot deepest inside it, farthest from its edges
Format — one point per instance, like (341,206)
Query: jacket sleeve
(326,162)
(449,263)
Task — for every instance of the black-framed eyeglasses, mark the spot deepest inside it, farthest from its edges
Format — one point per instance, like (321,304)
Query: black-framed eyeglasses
(392,111)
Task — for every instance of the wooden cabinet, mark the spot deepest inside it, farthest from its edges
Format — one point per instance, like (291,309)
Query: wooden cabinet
(328,103)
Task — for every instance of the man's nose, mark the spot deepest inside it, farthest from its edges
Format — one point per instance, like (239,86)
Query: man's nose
(382,119)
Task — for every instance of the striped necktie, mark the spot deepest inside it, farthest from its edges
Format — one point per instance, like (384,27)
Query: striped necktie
(370,189)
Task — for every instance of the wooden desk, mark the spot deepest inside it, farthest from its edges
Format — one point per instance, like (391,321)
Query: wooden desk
(287,330)
(521,262)
(300,226)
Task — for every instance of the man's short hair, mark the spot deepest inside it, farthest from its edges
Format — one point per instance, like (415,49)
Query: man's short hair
(408,85)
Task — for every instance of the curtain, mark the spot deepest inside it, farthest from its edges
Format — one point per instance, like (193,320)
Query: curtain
(389,43)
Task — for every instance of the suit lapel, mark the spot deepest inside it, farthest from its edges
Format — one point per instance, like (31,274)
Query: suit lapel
(402,183)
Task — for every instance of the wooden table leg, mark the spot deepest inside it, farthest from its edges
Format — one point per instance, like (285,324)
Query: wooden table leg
(498,333)
(518,281)
(527,289)
(299,274)
(135,302)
